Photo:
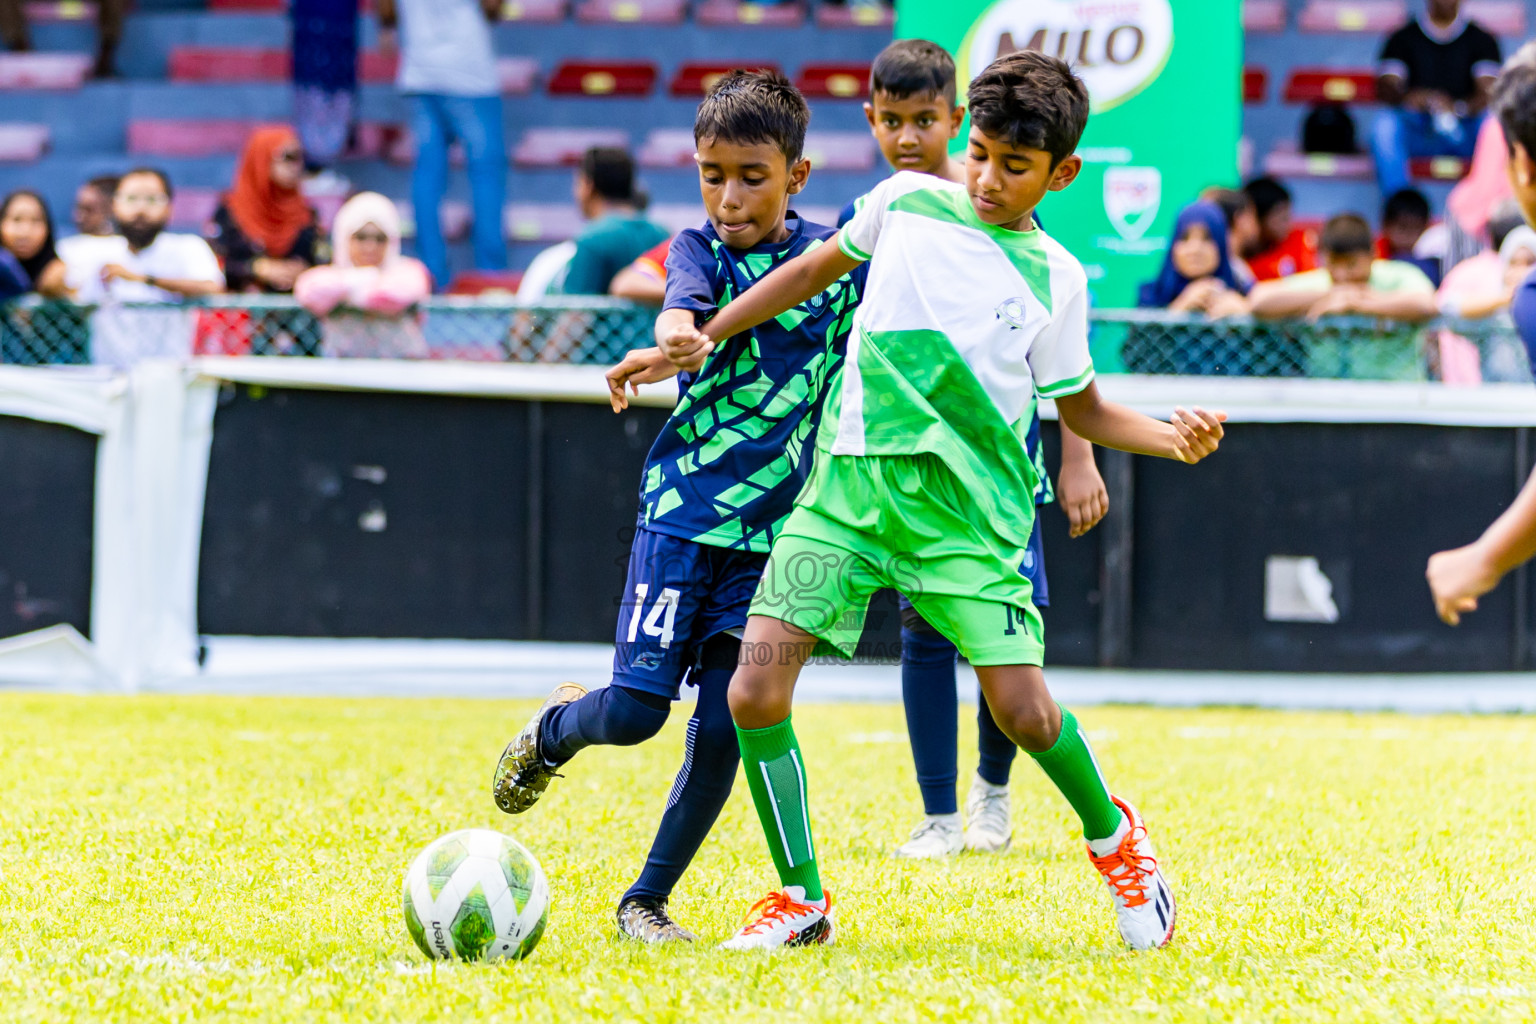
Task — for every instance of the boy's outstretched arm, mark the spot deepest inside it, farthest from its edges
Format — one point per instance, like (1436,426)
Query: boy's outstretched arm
(639,366)
(1079,487)
(807,275)
(1457,578)
(1190,437)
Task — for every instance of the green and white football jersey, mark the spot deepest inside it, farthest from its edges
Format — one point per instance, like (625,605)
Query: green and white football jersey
(963,326)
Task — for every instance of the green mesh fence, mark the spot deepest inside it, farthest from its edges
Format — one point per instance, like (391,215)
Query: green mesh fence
(601,330)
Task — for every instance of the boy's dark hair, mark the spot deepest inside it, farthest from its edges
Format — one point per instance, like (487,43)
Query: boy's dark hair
(1346,234)
(165,180)
(611,171)
(752,107)
(1231,201)
(914,67)
(1266,193)
(1031,101)
(1403,204)
(106,184)
(1514,99)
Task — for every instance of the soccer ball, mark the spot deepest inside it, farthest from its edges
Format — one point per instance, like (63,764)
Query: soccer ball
(476,895)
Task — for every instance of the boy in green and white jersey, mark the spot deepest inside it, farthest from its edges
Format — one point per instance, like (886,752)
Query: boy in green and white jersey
(922,480)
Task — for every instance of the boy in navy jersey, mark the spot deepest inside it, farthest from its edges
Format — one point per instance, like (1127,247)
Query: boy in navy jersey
(719,480)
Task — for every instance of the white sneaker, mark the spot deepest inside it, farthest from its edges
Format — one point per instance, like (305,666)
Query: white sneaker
(1143,901)
(785,918)
(936,836)
(988,817)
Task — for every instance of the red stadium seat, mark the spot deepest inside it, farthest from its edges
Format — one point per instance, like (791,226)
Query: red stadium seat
(171,137)
(1373,16)
(1331,85)
(1288,163)
(22,143)
(228,64)
(834,81)
(1438,168)
(1501,17)
(40,11)
(603,78)
(631,12)
(44,70)
(517,75)
(375,68)
(563,147)
(482,282)
(1263,15)
(543,222)
(1255,85)
(533,10)
(667,148)
(728,13)
(840,151)
(846,15)
(193,208)
(694,79)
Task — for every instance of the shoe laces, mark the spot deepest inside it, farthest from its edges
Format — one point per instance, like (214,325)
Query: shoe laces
(775,908)
(1127,870)
(925,828)
(989,808)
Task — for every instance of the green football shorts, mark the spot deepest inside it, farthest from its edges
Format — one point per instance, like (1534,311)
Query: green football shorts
(902,521)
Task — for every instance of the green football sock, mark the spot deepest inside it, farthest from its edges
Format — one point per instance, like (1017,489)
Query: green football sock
(776,776)
(1072,766)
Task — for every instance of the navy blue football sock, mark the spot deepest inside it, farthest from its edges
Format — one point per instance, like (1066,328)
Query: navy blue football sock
(704,782)
(614,716)
(933,710)
(997,750)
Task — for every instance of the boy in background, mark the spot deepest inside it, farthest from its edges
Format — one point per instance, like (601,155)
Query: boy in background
(1351,280)
(923,482)
(718,483)
(1279,250)
(913,114)
(1404,219)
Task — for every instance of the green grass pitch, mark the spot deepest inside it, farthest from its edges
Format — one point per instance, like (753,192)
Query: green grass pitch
(223,859)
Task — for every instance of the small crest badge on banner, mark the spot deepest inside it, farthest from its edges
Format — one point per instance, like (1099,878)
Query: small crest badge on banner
(1132,196)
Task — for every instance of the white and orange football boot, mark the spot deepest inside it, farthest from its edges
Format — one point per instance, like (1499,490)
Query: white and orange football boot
(785,918)
(1144,906)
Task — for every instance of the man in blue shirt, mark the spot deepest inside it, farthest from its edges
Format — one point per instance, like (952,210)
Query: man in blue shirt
(719,480)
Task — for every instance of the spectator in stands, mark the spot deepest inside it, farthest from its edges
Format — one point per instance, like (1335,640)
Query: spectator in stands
(109,26)
(1242,228)
(448,69)
(1198,275)
(1404,219)
(617,231)
(1473,201)
(1434,76)
(264,232)
(1279,250)
(1478,288)
(142,263)
(1351,280)
(645,280)
(26,233)
(324,76)
(93,206)
(365,294)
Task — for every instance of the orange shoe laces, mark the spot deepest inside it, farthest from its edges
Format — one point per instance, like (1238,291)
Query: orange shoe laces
(775,908)
(1126,870)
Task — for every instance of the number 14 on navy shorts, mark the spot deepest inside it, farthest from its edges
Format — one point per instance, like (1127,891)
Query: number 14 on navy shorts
(678,593)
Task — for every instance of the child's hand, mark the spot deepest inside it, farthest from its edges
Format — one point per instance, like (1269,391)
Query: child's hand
(1457,579)
(1196,434)
(639,366)
(1082,493)
(687,347)
(1339,301)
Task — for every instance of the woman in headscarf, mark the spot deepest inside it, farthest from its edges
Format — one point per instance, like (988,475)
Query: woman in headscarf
(366,292)
(26,235)
(265,232)
(53,332)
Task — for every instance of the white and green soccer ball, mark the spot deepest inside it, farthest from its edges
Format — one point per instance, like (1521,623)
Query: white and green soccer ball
(476,895)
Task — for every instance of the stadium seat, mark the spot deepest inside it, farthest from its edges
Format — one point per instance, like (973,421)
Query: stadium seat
(603,78)
(228,64)
(840,151)
(563,147)
(834,81)
(533,10)
(1331,85)
(1255,85)
(728,13)
(1504,18)
(667,148)
(517,73)
(44,70)
(68,11)
(631,12)
(1372,16)
(249,6)
(846,15)
(1263,15)
(482,282)
(1438,168)
(1286,162)
(175,137)
(542,222)
(375,68)
(676,217)
(22,143)
(694,79)
(193,208)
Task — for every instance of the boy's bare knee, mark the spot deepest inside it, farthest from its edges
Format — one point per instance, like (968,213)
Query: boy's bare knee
(1036,725)
(755,701)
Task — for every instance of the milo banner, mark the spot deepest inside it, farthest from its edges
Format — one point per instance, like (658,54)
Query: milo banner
(1165,81)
